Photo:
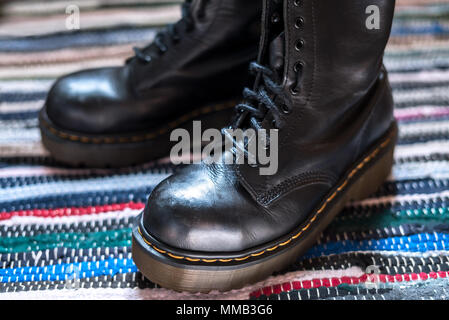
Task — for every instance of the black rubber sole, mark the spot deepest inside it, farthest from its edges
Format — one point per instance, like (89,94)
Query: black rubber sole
(201,272)
(101,151)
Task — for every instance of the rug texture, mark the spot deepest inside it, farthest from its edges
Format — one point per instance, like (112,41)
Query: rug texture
(66,233)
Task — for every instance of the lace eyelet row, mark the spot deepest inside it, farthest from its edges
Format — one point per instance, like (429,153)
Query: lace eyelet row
(299,65)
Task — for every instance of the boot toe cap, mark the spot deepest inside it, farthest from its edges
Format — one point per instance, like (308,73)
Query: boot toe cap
(82,101)
(207,216)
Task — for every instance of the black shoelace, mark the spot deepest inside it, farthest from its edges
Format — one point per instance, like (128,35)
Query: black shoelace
(260,102)
(172,31)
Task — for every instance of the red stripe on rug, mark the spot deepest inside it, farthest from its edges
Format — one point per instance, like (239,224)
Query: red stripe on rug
(417,114)
(333,282)
(73,211)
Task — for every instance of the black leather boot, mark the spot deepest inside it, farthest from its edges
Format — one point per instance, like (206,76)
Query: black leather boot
(322,84)
(194,70)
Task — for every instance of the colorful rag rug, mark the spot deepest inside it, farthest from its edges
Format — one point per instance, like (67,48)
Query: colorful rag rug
(66,233)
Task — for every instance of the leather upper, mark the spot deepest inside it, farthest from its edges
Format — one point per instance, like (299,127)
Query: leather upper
(341,104)
(205,64)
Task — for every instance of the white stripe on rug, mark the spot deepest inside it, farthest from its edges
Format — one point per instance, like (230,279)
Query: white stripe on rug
(423,76)
(10,107)
(125,182)
(56,70)
(421,149)
(421,95)
(19,124)
(27,135)
(399,199)
(26,26)
(66,55)
(423,128)
(17,7)
(25,85)
(419,170)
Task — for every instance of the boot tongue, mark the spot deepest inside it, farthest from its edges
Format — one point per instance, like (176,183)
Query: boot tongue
(276,52)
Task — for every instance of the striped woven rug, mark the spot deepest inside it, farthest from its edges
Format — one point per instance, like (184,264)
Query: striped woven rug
(66,233)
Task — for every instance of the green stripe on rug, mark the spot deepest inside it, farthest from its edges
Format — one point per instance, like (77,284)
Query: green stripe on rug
(390,218)
(112,238)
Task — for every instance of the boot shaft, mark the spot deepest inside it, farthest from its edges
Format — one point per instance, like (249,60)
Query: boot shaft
(334,48)
(330,49)
(326,55)
(214,35)
(231,21)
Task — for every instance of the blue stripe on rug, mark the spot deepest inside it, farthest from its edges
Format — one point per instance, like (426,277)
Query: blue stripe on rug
(68,270)
(422,242)
(77,39)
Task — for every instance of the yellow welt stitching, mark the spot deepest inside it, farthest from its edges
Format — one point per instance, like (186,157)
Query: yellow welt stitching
(258,253)
(314,217)
(241,259)
(322,208)
(176,257)
(331,197)
(146,241)
(159,250)
(298,234)
(385,143)
(191,259)
(285,243)
(343,185)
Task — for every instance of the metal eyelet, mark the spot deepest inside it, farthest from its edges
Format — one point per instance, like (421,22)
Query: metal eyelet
(297,3)
(293,90)
(299,23)
(299,44)
(285,109)
(147,59)
(275,18)
(298,66)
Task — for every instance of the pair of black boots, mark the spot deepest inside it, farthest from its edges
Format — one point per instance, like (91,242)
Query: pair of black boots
(319,80)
